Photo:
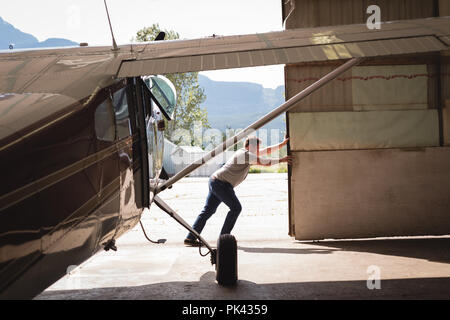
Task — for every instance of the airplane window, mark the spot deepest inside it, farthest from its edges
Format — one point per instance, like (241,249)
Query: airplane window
(105,127)
(122,115)
(164,91)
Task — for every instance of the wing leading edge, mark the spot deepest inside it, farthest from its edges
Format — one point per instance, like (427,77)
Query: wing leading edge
(291,46)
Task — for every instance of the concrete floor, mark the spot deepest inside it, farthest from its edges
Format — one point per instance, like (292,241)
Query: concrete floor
(271,264)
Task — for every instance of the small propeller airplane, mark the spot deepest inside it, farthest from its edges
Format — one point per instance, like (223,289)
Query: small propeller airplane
(82,135)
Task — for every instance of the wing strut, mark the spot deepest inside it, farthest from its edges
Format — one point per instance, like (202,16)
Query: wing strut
(261,122)
(165,207)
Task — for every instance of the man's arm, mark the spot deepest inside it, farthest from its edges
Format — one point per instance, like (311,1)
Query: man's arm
(269,150)
(266,162)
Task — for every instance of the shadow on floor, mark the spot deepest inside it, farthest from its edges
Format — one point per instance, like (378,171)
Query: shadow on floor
(431,249)
(207,289)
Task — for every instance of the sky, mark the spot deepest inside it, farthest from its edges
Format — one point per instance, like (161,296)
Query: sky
(86,21)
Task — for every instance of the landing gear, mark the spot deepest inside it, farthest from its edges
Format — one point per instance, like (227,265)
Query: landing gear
(226,261)
(224,257)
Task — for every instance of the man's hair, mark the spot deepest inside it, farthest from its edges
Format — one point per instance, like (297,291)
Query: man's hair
(254,141)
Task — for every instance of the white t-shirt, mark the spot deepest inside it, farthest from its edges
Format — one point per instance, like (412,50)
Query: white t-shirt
(236,169)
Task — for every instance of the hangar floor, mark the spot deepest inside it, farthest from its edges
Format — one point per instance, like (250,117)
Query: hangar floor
(271,264)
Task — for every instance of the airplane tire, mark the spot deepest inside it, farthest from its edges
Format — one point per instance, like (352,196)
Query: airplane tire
(226,264)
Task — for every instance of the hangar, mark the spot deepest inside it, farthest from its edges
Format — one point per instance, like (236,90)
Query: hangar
(372,149)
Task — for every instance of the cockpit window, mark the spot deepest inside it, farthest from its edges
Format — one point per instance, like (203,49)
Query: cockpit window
(164,92)
(105,128)
(122,114)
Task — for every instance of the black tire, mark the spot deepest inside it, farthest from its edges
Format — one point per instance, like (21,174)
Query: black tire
(226,263)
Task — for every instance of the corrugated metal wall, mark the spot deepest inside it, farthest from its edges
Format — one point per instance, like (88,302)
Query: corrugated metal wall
(318,13)
(315,13)
(444,10)
(346,203)
(340,93)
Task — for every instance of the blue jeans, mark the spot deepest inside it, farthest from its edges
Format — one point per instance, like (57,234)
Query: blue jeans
(219,191)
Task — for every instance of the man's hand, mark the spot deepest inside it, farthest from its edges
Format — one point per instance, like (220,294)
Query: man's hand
(286,140)
(288,159)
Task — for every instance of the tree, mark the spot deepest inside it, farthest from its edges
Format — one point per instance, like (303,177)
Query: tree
(190,96)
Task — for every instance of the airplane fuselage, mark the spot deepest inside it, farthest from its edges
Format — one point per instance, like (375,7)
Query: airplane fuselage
(75,176)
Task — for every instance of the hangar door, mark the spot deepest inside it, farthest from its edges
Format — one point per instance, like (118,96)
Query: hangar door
(370,154)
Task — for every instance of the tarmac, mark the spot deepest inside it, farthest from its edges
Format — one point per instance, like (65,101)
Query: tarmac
(272,265)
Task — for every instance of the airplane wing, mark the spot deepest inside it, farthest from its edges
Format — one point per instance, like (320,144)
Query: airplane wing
(291,46)
(74,71)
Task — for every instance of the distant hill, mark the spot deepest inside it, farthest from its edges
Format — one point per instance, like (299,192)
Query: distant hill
(21,40)
(238,104)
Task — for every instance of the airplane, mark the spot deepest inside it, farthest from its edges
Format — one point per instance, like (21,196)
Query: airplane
(82,135)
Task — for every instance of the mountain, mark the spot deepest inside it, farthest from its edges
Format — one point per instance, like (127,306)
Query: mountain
(56,42)
(238,104)
(21,40)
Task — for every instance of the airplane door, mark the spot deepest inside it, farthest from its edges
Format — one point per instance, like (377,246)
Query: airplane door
(155,142)
(160,98)
(154,124)
(149,109)
(139,114)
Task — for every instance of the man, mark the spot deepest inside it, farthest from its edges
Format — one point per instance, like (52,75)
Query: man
(224,180)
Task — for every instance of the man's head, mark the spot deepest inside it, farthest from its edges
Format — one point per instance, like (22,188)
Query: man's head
(252,144)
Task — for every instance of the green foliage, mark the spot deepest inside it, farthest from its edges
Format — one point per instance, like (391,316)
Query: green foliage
(149,34)
(254,170)
(280,168)
(190,95)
